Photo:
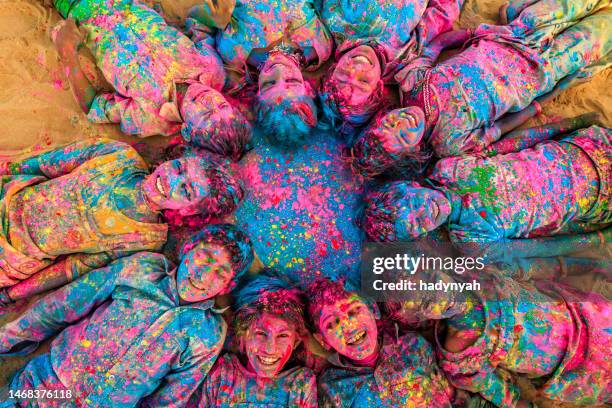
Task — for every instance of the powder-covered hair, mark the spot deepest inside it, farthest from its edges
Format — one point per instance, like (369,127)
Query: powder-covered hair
(225,193)
(369,158)
(380,211)
(267,293)
(229,136)
(287,121)
(232,239)
(322,293)
(336,111)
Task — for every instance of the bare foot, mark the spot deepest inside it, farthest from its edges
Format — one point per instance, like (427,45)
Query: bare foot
(503,14)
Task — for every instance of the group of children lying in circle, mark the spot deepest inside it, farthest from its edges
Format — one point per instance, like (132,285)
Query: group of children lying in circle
(89,219)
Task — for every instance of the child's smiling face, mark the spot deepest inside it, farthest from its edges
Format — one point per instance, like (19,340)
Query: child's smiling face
(349,327)
(204,272)
(268,344)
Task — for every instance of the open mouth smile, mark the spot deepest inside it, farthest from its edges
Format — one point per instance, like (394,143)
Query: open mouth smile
(362,59)
(160,187)
(357,338)
(268,361)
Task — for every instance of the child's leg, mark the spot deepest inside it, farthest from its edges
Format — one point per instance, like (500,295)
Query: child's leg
(586,45)
(543,19)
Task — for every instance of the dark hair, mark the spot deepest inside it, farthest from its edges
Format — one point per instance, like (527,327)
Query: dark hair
(267,293)
(232,239)
(226,192)
(229,137)
(380,211)
(322,293)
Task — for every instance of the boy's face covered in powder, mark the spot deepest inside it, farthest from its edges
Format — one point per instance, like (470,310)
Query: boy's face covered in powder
(349,327)
(357,74)
(269,343)
(177,185)
(203,108)
(204,272)
(281,78)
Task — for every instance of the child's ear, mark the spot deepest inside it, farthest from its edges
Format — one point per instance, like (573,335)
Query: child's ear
(321,341)
(375,310)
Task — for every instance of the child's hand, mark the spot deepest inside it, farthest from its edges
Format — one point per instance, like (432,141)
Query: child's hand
(67,37)
(4,168)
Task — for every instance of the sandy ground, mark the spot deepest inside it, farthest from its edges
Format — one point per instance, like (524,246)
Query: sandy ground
(37,107)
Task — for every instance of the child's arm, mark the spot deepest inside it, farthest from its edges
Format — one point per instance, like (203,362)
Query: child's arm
(59,309)
(190,366)
(54,276)
(56,163)
(511,121)
(438,18)
(213,13)
(413,72)
(509,250)
(67,40)
(522,139)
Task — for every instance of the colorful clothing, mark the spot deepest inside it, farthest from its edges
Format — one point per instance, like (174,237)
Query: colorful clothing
(556,187)
(299,208)
(553,335)
(143,58)
(230,384)
(260,25)
(64,202)
(406,375)
(506,68)
(397,30)
(131,339)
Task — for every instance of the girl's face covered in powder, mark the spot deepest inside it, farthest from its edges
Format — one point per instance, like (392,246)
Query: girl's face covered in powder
(349,327)
(420,211)
(357,74)
(268,344)
(281,78)
(204,272)
(177,185)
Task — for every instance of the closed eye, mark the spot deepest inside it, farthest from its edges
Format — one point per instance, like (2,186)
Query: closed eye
(186,192)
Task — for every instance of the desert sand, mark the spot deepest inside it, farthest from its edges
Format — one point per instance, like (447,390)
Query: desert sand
(37,107)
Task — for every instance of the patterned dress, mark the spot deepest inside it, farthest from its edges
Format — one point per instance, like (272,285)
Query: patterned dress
(551,334)
(556,187)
